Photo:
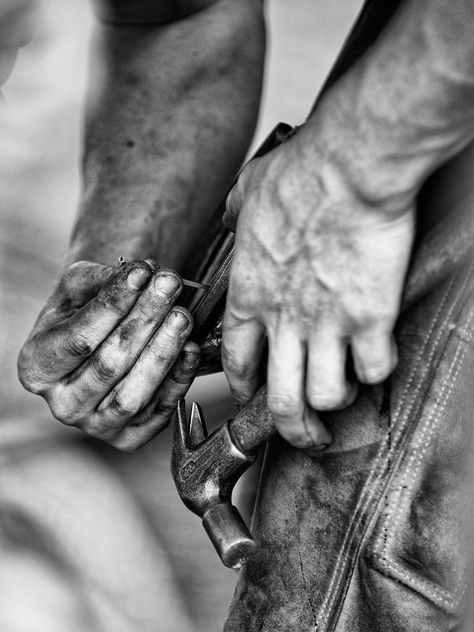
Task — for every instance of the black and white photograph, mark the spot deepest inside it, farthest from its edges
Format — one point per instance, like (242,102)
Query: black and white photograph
(236,315)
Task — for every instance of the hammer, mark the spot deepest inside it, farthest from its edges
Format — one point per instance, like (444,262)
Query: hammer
(206,468)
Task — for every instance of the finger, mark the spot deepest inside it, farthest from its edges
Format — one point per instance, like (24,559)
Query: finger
(136,389)
(375,356)
(326,384)
(73,340)
(119,352)
(242,347)
(285,388)
(65,345)
(156,416)
(153,263)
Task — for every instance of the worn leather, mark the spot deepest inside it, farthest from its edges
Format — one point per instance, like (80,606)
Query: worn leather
(369,534)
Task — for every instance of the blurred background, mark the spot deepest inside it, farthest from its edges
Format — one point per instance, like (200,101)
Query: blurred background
(90,538)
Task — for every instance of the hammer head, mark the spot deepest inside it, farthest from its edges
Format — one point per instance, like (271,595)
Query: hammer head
(205,470)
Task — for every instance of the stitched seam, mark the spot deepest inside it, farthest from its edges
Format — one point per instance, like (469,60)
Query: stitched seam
(438,594)
(416,461)
(364,498)
(428,431)
(465,335)
(399,493)
(330,595)
(385,532)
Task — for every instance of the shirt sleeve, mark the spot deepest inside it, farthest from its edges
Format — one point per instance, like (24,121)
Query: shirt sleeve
(130,12)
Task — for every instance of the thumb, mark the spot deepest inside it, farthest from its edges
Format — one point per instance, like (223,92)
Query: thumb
(82,280)
(75,287)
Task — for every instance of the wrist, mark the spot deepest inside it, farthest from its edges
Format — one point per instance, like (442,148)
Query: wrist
(403,109)
(358,161)
(116,221)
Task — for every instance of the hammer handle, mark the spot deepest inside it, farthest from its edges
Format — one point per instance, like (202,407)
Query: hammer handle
(253,425)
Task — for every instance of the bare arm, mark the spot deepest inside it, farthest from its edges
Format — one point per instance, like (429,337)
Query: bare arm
(326,222)
(408,105)
(169,122)
(170,115)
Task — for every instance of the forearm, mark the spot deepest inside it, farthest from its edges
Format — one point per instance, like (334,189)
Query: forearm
(406,106)
(167,130)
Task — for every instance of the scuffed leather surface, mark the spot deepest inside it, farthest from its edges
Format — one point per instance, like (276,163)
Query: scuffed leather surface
(368,535)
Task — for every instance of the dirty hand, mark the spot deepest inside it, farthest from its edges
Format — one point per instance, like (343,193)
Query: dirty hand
(317,270)
(110,351)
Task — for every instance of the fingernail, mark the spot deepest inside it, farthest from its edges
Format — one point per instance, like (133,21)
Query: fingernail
(191,355)
(138,277)
(177,321)
(167,284)
(318,432)
(153,263)
(240,398)
(317,450)
(320,447)
(323,401)
(373,375)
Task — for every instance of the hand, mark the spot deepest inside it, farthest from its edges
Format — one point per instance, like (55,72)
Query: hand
(317,269)
(110,351)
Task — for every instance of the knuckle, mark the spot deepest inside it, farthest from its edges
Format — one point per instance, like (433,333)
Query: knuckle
(122,406)
(27,373)
(282,405)
(63,406)
(143,419)
(147,312)
(163,409)
(374,319)
(233,364)
(183,376)
(104,367)
(124,443)
(99,430)
(112,302)
(77,345)
(163,356)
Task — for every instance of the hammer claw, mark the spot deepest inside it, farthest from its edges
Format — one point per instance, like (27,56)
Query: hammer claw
(197,426)
(181,428)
